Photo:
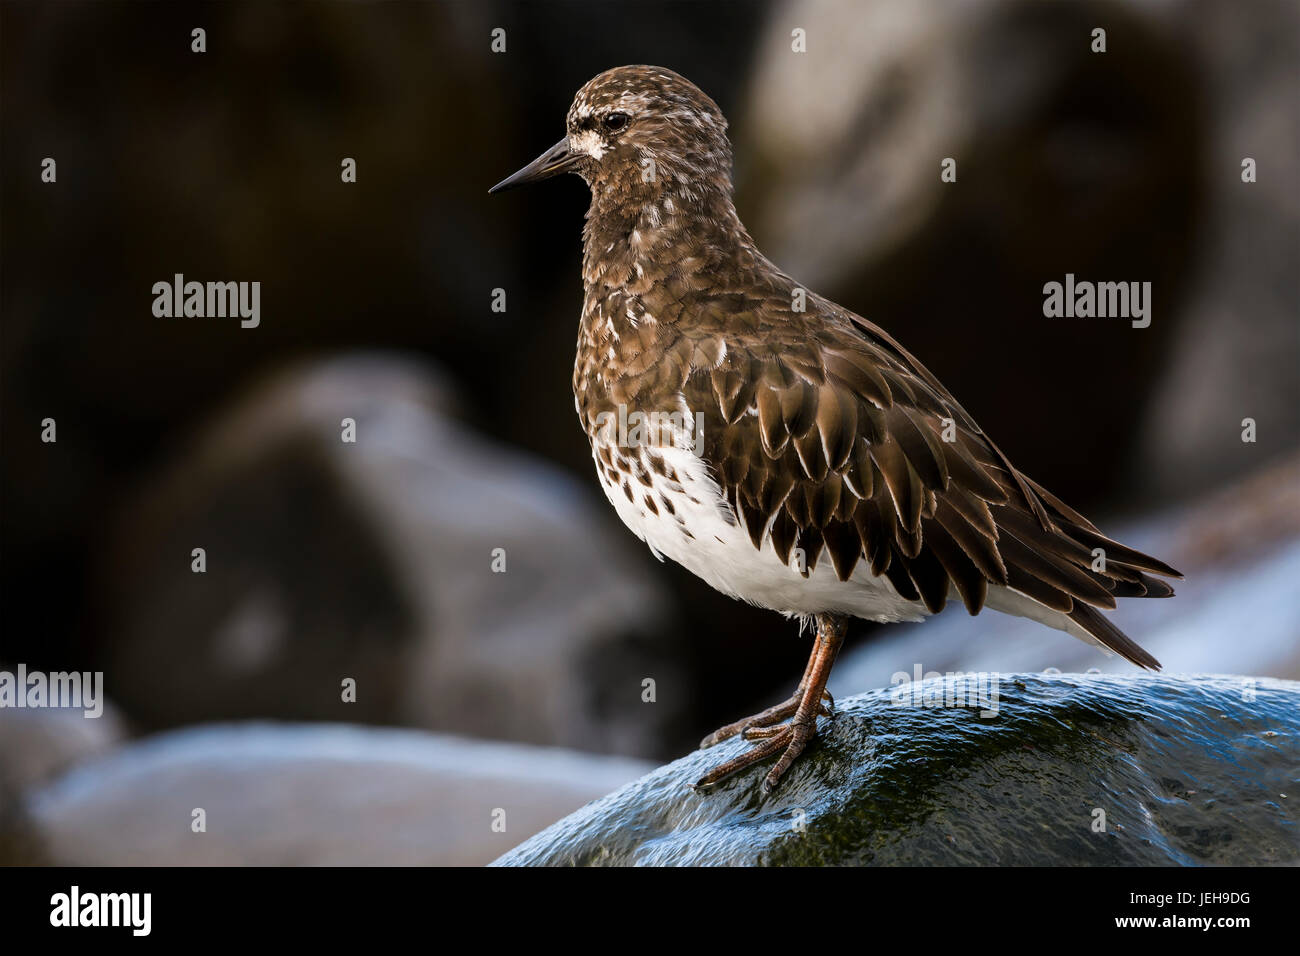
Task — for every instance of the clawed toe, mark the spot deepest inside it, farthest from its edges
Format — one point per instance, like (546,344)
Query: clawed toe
(787,739)
(810,701)
(747,759)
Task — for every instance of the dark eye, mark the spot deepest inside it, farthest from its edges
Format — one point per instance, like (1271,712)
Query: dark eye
(615,122)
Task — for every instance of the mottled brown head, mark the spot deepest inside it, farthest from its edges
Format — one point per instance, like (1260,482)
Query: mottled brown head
(636,132)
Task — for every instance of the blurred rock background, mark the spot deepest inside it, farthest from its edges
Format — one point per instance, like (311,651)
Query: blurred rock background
(373,560)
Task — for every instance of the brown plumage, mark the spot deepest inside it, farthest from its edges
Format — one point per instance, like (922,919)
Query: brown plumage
(821,442)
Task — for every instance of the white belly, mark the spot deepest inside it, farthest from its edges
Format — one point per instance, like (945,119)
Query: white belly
(690,522)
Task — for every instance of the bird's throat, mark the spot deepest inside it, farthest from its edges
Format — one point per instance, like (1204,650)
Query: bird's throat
(631,243)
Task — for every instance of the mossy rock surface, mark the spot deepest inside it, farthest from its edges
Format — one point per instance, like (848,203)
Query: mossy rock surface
(1186,770)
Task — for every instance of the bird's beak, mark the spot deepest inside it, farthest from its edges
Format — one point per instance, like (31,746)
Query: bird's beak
(558,159)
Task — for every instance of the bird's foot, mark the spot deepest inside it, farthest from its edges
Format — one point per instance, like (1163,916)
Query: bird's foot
(762,724)
(810,701)
(793,737)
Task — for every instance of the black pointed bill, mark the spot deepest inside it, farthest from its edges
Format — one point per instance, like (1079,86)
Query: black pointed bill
(556,160)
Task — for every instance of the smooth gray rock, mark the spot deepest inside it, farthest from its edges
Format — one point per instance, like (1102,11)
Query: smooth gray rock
(319,794)
(374,561)
(1186,770)
(1239,335)
(36,745)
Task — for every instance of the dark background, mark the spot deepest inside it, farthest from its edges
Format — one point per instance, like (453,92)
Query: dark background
(225,166)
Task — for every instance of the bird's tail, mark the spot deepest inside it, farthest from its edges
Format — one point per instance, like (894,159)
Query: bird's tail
(1055,565)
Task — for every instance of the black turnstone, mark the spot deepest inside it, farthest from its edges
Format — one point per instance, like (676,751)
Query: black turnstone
(782,448)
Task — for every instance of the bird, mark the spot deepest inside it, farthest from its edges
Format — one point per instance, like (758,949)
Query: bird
(784,449)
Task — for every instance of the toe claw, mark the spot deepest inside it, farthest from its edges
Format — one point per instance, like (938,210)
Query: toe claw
(810,700)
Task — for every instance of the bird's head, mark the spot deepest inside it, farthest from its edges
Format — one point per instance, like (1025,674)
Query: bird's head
(636,132)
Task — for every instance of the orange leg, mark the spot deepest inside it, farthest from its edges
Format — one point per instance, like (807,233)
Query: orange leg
(803,708)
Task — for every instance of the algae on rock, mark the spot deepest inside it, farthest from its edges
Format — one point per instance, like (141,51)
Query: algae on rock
(1066,769)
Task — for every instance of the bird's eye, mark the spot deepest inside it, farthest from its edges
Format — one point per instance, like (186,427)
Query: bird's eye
(614,122)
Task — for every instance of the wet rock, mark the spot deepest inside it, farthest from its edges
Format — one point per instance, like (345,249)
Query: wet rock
(279,795)
(1071,769)
(377,560)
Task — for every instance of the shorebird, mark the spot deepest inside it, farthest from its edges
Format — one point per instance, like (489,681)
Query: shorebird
(787,451)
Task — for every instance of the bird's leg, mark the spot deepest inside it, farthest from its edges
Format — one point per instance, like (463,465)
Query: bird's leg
(807,704)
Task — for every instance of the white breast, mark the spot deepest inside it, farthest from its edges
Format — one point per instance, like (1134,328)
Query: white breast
(688,520)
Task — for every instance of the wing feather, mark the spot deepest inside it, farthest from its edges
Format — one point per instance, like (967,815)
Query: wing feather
(835,440)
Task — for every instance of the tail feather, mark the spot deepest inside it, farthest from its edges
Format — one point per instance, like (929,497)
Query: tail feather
(1053,567)
(1121,554)
(1096,624)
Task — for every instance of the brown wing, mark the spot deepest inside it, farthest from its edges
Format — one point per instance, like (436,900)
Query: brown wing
(830,437)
